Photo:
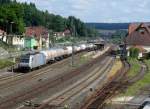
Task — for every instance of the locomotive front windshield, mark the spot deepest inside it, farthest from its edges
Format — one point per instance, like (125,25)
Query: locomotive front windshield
(25,59)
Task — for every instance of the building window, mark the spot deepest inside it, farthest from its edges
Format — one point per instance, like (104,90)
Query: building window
(141,30)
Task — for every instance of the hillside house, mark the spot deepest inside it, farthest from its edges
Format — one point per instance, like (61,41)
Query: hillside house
(18,41)
(63,34)
(138,37)
(40,34)
(67,33)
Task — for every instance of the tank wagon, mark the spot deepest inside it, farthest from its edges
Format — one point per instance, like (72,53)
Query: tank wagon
(69,50)
(90,47)
(49,54)
(34,60)
(83,46)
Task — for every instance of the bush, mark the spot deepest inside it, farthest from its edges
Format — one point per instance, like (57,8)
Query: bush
(134,52)
(5,63)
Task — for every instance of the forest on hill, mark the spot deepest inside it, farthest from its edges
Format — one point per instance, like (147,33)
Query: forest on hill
(21,15)
(108,26)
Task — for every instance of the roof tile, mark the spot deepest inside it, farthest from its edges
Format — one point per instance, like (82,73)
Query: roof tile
(138,35)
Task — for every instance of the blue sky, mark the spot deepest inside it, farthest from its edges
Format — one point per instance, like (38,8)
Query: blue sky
(98,10)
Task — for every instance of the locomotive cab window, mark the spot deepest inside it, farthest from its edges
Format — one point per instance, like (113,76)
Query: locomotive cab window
(25,60)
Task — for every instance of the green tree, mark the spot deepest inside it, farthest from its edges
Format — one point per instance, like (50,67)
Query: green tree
(134,52)
(5,1)
(23,15)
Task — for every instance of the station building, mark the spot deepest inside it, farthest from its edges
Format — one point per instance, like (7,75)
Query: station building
(138,37)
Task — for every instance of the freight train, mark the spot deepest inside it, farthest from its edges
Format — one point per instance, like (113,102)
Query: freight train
(35,60)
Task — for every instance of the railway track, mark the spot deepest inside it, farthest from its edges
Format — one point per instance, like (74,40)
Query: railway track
(19,78)
(58,100)
(41,87)
(116,85)
(139,75)
(4,78)
(109,90)
(129,82)
(120,82)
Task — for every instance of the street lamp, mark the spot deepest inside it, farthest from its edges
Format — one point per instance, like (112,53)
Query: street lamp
(11,24)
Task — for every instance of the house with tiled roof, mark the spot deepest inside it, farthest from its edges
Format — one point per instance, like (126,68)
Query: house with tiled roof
(67,32)
(40,34)
(138,37)
(63,34)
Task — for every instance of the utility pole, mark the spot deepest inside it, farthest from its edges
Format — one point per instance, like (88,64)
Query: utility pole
(72,57)
(11,32)
(50,38)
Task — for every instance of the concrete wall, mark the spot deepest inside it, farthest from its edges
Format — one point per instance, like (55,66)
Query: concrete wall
(4,38)
(140,55)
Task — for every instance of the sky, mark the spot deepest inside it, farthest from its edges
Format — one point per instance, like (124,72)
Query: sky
(101,11)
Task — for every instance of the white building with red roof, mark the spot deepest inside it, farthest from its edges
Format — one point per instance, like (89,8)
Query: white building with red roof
(65,33)
(139,37)
(40,33)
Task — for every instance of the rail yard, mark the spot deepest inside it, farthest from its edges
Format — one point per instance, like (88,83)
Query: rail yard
(59,85)
(74,54)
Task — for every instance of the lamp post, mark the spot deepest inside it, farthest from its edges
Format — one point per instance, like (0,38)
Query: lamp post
(5,27)
(11,24)
(11,32)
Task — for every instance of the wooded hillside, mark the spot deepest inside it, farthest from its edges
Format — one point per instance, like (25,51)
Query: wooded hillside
(14,17)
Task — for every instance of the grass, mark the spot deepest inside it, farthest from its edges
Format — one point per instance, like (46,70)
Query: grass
(116,67)
(135,67)
(5,63)
(136,87)
(83,59)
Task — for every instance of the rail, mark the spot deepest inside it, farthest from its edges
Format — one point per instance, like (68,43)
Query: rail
(109,89)
(45,85)
(77,88)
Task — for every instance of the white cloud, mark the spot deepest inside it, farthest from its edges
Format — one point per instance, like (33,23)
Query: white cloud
(98,10)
